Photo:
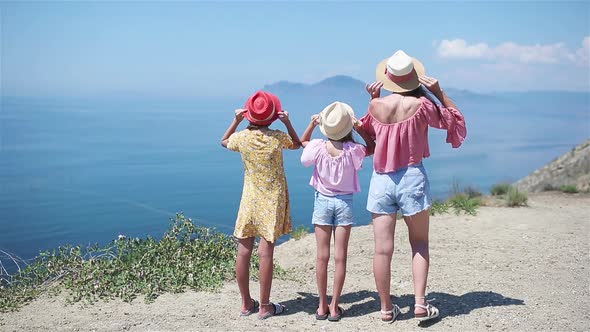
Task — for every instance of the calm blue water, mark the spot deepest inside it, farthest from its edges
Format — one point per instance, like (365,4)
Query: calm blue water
(76,171)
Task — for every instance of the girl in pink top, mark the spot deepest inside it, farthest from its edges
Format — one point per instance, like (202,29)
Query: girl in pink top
(399,125)
(336,162)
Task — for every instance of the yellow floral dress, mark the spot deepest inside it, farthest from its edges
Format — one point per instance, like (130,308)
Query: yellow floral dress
(264,208)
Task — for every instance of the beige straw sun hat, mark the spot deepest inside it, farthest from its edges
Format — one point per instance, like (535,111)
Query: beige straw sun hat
(399,72)
(336,120)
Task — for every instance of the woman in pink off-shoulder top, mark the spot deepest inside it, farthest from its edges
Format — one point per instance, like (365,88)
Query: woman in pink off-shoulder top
(399,125)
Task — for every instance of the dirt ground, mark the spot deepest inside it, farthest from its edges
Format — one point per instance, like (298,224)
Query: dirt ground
(506,269)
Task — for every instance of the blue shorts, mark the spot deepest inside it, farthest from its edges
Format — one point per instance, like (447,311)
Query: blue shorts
(406,190)
(332,210)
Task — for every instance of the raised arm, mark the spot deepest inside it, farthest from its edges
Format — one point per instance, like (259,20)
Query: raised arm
(233,126)
(369,142)
(315,121)
(284,117)
(448,117)
(432,85)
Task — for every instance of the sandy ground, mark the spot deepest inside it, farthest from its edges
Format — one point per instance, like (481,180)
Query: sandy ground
(506,269)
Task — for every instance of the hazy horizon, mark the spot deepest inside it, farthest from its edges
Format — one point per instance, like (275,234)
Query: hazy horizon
(132,95)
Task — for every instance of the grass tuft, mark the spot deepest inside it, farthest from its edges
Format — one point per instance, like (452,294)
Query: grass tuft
(439,207)
(500,189)
(464,203)
(514,197)
(569,189)
(299,232)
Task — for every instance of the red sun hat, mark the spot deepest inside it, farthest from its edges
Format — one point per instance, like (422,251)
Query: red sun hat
(262,108)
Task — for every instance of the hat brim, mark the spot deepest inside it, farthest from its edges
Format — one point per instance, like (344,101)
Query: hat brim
(278,108)
(406,86)
(342,133)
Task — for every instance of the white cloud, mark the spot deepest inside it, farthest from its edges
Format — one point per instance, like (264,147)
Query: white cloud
(458,48)
(509,51)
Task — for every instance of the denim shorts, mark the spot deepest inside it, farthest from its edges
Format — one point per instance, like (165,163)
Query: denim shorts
(332,210)
(406,190)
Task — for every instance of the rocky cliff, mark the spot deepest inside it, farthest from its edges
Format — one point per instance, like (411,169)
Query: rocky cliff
(573,168)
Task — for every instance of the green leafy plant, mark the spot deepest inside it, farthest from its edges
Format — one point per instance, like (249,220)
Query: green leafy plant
(569,189)
(299,232)
(514,197)
(500,189)
(464,203)
(187,257)
(439,207)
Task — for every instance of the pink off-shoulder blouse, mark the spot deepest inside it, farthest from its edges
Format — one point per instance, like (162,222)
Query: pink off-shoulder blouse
(405,143)
(334,175)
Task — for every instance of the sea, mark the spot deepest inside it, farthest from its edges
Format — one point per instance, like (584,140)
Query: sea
(86,170)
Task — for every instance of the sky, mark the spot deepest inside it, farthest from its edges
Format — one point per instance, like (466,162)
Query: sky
(200,49)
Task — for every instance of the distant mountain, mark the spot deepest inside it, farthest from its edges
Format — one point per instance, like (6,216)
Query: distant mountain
(467,94)
(331,86)
(342,86)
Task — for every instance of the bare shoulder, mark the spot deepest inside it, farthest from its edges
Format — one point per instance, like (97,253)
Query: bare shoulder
(394,108)
(411,104)
(378,105)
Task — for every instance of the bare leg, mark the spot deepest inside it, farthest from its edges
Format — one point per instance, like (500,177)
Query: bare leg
(323,235)
(245,247)
(418,225)
(341,237)
(265,252)
(384,231)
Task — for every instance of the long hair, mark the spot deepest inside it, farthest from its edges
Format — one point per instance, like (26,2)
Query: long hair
(421,92)
(253,126)
(347,138)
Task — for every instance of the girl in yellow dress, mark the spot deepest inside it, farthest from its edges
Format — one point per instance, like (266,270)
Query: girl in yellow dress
(264,208)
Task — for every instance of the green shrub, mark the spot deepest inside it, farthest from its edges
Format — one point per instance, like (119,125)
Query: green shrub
(462,202)
(514,197)
(187,257)
(299,232)
(439,207)
(500,189)
(569,189)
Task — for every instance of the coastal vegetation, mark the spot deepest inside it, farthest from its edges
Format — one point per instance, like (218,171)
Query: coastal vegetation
(463,200)
(569,189)
(299,232)
(509,194)
(188,256)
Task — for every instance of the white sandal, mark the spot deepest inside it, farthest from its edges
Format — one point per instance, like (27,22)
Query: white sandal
(394,312)
(431,312)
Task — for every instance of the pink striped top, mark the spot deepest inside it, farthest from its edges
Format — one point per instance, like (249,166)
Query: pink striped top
(405,143)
